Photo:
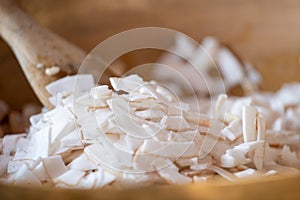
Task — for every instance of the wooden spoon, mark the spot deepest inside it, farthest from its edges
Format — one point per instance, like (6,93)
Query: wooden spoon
(40,52)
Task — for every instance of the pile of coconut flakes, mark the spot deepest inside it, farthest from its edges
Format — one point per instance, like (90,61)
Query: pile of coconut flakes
(139,133)
(144,135)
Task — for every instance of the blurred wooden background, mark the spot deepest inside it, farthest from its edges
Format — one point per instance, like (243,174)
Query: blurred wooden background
(263,32)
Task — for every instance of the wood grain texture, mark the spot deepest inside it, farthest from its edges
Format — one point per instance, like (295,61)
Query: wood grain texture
(33,44)
(266,188)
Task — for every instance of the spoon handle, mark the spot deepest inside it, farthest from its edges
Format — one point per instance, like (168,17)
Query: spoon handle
(43,55)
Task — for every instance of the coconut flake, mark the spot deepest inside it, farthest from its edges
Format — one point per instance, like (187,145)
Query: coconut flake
(270,173)
(54,166)
(40,172)
(82,163)
(261,128)
(105,154)
(170,149)
(100,92)
(237,155)
(282,138)
(142,162)
(224,173)
(246,173)
(233,130)
(202,164)
(24,176)
(186,162)
(87,182)
(258,157)
(230,65)
(168,171)
(40,143)
(249,123)
(103,178)
(288,157)
(151,114)
(71,177)
(86,100)
(51,71)
(130,83)
(289,94)
(82,82)
(10,142)
(175,123)
(4,160)
(220,107)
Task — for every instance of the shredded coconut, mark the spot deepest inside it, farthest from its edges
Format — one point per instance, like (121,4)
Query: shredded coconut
(138,132)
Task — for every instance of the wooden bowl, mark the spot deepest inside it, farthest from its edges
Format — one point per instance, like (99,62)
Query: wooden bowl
(286,187)
(265,33)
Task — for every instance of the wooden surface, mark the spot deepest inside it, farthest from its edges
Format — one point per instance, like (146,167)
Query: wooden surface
(267,188)
(34,44)
(265,33)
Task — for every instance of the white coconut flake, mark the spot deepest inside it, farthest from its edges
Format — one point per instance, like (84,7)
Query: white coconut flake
(71,140)
(200,179)
(261,128)
(71,177)
(142,162)
(101,91)
(222,172)
(168,171)
(130,83)
(40,144)
(288,157)
(258,157)
(54,166)
(237,155)
(233,130)
(10,142)
(270,173)
(170,149)
(177,123)
(14,165)
(249,123)
(82,163)
(106,155)
(4,163)
(81,82)
(246,173)
(230,65)
(24,176)
(151,114)
(51,71)
(40,172)
(202,164)
(103,178)
(87,182)
(289,94)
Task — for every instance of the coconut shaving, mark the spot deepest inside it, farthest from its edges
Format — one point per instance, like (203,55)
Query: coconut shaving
(138,133)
